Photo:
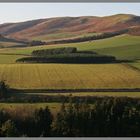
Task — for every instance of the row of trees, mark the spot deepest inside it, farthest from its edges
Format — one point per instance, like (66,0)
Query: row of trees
(69,58)
(88,38)
(108,117)
(55,51)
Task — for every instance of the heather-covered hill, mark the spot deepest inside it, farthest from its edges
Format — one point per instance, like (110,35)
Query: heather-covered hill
(66,27)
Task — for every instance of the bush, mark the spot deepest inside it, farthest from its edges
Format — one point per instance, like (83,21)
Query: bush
(8,129)
(36,43)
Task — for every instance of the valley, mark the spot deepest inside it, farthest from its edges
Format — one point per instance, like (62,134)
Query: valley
(46,80)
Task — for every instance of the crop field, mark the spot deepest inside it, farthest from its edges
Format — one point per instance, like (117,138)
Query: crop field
(6,59)
(69,76)
(122,47)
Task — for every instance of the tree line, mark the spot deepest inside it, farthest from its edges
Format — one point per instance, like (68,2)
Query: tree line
(69,58)
(66,55)
(88,38)
(105,118)
(55,51)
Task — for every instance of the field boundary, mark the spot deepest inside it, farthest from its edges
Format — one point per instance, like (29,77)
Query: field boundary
(132,67)
(73,90)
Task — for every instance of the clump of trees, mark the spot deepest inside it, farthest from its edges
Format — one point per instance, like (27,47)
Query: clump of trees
(69,58)
(36,43)
(66,55)
(55,51)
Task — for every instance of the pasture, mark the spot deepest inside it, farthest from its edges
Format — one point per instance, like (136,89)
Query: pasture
(69,76)
(122,47)
(136,64)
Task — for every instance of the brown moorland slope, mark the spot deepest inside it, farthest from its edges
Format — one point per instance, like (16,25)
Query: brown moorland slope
(71,25)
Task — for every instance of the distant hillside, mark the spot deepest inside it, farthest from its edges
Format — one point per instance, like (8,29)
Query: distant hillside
(67,27)
(9,42)
(6,39)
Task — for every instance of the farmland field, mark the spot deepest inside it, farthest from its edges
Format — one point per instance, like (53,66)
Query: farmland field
(122,47)
(69,76)
(72,76)
(6,59)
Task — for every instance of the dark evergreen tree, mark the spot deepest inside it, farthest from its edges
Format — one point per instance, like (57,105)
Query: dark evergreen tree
(43,120)
(3,89)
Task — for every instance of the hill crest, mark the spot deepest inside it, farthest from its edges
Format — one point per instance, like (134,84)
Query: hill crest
(62,27)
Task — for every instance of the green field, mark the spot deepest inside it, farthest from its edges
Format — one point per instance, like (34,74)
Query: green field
(69,76)
(59,36)
(122,47)
(135,64)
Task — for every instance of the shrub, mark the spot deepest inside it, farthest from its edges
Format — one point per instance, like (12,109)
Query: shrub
(8,129)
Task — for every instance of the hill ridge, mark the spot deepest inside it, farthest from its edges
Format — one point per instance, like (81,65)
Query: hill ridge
(62,27)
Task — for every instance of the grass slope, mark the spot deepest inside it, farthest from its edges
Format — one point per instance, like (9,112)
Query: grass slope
(136,64)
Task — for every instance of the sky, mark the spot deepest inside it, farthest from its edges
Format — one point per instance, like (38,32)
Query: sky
(16,12)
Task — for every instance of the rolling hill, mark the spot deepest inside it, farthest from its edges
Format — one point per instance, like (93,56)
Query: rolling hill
(9,42)
(67,27)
